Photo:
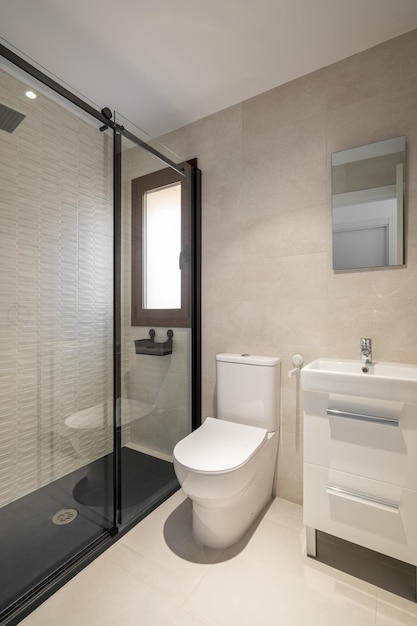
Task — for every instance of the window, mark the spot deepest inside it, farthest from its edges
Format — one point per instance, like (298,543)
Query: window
(161,249)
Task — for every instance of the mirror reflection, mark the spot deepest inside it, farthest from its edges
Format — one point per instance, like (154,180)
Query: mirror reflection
(368,205)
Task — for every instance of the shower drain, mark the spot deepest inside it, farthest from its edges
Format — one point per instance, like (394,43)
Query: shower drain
(64,516)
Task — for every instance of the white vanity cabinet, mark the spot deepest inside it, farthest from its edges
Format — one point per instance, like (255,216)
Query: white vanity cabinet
(360,472)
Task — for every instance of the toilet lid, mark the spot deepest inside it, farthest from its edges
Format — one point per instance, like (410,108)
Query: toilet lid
(219,446)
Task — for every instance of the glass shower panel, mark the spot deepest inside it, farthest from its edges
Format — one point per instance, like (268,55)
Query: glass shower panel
(156,380)
(56,334)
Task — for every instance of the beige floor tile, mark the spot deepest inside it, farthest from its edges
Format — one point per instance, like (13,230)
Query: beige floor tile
(271,579)
(157,575)
(186,619)
(173,576)
(392,610)
(161,552)
(105,594)
(286,513)
(168,535)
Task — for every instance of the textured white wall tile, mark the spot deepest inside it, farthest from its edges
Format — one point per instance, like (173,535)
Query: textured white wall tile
(56,291)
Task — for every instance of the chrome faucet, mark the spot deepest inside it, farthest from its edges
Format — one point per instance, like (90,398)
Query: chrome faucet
(366,351)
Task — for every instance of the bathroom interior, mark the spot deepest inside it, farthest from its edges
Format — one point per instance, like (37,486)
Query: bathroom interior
(95,397)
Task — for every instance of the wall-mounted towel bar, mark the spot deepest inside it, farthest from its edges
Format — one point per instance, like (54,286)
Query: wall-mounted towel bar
(150,346)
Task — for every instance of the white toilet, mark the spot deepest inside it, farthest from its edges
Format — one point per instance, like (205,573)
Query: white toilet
(226,466)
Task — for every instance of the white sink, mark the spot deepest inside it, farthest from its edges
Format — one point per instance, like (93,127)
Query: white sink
(388,381)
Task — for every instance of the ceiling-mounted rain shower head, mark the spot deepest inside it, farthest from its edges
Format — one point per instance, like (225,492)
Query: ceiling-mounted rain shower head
(9,118)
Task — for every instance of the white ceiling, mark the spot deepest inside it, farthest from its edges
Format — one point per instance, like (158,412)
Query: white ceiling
(165,63)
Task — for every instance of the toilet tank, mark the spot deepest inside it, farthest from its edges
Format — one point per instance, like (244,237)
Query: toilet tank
(248,389)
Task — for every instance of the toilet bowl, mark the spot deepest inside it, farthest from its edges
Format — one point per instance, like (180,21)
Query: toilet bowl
(226,466)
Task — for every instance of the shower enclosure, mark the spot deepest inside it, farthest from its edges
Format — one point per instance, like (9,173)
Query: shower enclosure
(87,421)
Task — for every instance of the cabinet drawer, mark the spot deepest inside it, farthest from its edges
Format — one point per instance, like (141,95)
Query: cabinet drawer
(373,438)
(370,513)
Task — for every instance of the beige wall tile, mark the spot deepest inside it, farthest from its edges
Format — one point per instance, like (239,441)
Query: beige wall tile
(267,226)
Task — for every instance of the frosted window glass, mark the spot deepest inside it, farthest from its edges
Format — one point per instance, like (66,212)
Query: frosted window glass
(162,247)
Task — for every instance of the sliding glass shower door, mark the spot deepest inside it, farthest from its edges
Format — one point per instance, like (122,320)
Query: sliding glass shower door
(56,336)
(96,387)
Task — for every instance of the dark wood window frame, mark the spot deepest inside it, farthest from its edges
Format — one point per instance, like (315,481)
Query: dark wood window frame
(161,317)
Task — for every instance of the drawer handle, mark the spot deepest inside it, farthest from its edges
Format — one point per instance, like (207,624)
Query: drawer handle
(355,496)
(386,421)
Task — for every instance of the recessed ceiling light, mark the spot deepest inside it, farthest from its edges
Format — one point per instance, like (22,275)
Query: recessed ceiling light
(31,94)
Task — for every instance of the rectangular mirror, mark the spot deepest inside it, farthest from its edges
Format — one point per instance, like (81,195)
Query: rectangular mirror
(368,205)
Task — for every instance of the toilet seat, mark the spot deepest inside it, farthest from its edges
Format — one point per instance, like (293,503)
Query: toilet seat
(219,446)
